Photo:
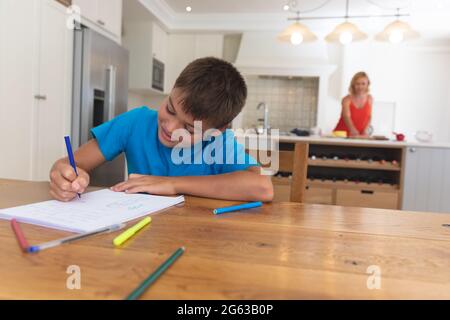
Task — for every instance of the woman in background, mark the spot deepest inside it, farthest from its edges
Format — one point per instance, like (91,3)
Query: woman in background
(356,107)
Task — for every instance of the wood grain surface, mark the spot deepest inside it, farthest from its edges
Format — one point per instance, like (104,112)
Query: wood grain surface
(279,251)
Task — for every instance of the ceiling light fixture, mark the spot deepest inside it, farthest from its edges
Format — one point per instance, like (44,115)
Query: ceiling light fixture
(346,32)
(397,31)
(188,9)
(297,33)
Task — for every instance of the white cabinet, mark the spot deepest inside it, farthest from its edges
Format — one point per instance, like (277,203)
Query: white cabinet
(175,50)
(88,8)
(35,86)
(184,48)
(427,179)
(55,84)
(208,45)
(159,43)
(17,86)
(181,51)
(110,15)
(102,15)
(144,40)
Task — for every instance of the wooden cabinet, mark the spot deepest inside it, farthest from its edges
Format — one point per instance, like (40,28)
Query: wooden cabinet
(348,174)
(319,195)
(282,187)
(316,195)
(35,86)
(427,179)
(367,198)
(102,15)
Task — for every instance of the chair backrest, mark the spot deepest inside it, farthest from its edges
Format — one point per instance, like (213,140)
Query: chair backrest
(299,171)
(295,161)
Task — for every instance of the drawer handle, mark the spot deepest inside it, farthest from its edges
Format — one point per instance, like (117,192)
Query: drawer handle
(40,97)
(367,191)
(100,22)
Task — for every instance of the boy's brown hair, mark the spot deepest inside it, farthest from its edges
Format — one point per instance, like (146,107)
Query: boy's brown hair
(213,90)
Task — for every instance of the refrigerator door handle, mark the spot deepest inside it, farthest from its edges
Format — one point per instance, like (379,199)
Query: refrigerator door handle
(111,92)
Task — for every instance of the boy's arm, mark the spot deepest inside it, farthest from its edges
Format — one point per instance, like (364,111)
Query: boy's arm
(89,156)
(64,184)
(246,185)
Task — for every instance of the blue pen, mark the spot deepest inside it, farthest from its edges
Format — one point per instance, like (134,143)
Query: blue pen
(70,154)
(238,207)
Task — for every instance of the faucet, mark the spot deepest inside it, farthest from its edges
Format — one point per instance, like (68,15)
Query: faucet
(266,115)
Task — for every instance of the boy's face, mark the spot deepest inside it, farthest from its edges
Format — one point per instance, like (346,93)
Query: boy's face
(172,119)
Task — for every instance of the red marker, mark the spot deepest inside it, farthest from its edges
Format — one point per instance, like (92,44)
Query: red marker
(19,235)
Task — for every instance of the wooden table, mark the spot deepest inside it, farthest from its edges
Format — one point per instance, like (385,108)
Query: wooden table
(280,251)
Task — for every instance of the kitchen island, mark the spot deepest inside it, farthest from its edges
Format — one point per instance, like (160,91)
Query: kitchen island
(405,175)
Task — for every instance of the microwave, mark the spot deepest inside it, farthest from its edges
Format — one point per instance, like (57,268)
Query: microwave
(158,75)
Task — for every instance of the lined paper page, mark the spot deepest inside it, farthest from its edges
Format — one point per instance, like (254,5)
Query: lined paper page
(94,210)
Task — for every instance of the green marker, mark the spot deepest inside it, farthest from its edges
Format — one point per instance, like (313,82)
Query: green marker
(155,275)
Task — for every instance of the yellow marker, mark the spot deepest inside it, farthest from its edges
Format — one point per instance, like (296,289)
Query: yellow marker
(124,236)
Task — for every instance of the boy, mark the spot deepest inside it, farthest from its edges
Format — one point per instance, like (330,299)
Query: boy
(209,90)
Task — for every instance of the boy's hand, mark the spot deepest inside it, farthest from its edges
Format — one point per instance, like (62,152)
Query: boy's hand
(64,183)
(150,184)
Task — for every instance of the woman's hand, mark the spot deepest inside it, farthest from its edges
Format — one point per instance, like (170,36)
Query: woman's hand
(354,132)
(149,184)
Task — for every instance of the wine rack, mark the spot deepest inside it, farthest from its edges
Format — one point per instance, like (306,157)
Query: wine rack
(351,175)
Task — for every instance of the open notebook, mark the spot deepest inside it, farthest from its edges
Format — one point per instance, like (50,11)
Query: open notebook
(94,210)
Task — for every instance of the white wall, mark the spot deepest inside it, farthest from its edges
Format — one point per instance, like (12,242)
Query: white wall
(415,77)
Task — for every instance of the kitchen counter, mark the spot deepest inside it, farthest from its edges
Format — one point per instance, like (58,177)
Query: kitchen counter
(345,141)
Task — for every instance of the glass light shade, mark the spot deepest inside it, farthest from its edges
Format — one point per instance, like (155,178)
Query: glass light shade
(297,33)
(296,38)
(345,37)
(396,32)
(346,32)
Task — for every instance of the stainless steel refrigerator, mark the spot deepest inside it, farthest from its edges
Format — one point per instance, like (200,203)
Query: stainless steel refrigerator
(100,92)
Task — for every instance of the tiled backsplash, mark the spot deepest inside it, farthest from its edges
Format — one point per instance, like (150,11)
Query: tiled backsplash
(292,102)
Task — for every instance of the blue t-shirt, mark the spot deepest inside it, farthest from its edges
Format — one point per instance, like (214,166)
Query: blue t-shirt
(136,133)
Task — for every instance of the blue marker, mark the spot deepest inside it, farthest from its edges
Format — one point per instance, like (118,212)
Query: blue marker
(71,159)
(238,207)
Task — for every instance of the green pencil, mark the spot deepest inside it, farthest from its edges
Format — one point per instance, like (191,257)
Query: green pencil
(155,275)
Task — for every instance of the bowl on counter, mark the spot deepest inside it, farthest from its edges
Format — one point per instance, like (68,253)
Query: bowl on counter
(423,136)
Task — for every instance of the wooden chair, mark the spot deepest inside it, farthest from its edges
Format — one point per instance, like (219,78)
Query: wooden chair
(295,161)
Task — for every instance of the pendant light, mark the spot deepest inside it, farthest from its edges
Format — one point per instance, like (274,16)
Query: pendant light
(397,31)
(346,32)
(297,33)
